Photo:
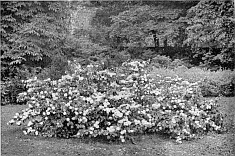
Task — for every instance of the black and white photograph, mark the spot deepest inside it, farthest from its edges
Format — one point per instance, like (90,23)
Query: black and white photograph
(118,78)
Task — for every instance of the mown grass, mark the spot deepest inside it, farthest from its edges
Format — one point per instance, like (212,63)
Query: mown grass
(15,143)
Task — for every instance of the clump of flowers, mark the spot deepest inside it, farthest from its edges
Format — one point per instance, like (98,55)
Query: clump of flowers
(93,102)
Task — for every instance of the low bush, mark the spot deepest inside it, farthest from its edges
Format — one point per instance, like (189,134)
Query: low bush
(179,63)
(55,70)
(10,90)
(213,83)
(12,85)
(161,61)
(117,104)
(11,80)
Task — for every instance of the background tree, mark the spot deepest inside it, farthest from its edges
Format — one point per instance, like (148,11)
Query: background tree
(34,36)
(33,33)
(210,33)
(138,25)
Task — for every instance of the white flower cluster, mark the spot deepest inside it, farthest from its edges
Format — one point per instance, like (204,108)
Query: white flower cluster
(95,102)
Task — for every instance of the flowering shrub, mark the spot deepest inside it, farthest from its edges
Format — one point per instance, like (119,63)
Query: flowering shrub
(213,84)
(116,103)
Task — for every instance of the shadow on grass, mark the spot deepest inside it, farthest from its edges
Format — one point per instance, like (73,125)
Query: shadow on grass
(14,142)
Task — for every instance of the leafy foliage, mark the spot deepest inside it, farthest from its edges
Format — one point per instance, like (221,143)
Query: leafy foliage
(212,83)
(133,26)
(210,32)
(117,104)
(33,34)
(31,29)
(161,61)
(207,29)
(10,90)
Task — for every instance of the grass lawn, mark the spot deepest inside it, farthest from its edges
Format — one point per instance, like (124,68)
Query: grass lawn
(15,143)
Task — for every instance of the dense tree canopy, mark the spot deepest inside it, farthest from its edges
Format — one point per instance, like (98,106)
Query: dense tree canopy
(38,33)
(32,31)
(204,29)
(140,25)
(135,24)
(210,32)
